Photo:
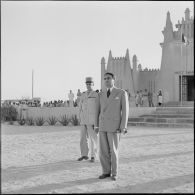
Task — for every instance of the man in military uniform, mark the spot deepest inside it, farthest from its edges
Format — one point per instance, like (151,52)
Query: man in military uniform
(87,117)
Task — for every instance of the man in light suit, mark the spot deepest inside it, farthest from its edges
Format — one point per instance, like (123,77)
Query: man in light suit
(112,110)
(87,115)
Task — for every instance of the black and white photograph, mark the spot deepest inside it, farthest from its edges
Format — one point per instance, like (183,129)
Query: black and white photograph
(97,97)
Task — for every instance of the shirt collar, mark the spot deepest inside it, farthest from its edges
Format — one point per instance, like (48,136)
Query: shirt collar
(110,89)
(88,92)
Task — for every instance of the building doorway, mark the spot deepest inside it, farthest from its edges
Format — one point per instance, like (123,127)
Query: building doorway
(187,88)
(190,88)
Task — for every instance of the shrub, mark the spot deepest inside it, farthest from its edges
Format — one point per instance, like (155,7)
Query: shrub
(30,121)
(39,121)
(64,120)
(21,121)
(75,120)
(52,120)
(9,113)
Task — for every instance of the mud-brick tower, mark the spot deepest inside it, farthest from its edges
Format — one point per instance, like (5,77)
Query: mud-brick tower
(177,60)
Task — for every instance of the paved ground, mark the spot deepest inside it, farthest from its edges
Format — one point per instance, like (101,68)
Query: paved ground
(43,160)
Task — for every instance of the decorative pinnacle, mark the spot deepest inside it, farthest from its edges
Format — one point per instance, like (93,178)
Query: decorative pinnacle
(110,54)
(168,21)
(127,54)
(103,60)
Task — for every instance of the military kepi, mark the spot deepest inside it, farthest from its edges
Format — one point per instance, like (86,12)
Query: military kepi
(88,80)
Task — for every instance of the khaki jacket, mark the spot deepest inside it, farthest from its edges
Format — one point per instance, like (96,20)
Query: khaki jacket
(112,113)
(87,108)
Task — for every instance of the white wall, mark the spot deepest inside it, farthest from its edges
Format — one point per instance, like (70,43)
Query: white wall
(47,112)
(60,111)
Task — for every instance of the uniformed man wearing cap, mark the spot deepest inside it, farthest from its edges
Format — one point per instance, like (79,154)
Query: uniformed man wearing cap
(87,117)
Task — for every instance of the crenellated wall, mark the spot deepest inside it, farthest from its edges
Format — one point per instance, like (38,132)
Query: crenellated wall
(121,68)
(148,79)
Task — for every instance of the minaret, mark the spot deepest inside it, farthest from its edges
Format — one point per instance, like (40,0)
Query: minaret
(127,54)
(103,68)
(170,62)
(135,72)
(128,77)
(110,55)
(110,61)
(134,63)
(127,60)
(168,30)
(187,14)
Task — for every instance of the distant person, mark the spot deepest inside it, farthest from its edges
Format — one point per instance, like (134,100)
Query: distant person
(137,99)
(150,99)
(145,98)
(78,96)
(71,98)
(140,98)
(160,98)
(87,117)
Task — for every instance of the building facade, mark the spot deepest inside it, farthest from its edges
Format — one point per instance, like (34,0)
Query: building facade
(177,65)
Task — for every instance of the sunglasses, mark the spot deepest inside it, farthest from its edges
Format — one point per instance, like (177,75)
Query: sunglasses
(88,83)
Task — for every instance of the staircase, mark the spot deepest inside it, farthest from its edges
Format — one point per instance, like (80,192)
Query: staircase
(178,104)
(166,117)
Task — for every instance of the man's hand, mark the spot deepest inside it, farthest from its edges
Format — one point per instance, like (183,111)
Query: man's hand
(123,131)
(96,129)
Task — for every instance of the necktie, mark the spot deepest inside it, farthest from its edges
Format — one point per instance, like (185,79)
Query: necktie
(108,93)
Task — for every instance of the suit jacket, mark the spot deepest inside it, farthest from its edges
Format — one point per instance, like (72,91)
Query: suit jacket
(87,108)
(112,113)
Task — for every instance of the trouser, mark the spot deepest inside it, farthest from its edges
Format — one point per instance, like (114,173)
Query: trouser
(108,143)
(88,133)
(151,103)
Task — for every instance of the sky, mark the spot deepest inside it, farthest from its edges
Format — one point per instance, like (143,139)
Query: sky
(63,42)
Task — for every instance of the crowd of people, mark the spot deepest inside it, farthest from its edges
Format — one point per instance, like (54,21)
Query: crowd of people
(71,102)
(146,98)
(142,99)
(24,102)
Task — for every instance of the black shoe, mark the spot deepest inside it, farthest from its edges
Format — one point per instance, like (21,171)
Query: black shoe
(114,177)
(104,176)
(83,158)
(92,159)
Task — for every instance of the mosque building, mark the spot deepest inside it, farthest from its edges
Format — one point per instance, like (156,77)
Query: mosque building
(177,65)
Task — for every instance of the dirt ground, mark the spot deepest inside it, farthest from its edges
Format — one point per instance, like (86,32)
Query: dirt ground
(44,160)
